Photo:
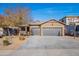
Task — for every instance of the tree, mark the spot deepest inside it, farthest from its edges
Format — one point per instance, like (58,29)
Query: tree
(1,20)
(17,16)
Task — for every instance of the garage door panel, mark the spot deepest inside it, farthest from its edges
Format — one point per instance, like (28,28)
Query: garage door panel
(35,31)
(51,31)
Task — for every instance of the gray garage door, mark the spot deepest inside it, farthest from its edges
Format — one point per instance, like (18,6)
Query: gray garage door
(35,31)
(55,31)
(48,31)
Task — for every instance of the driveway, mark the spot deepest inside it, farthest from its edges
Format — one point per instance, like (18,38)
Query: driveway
(47,46)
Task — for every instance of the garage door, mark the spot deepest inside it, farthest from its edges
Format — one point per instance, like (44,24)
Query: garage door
(55,31)
(48,31)
(35,31)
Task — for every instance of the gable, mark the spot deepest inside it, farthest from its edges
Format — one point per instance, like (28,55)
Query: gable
(51,23)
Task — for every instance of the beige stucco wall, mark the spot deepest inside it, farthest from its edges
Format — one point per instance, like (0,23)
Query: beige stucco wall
(52,24)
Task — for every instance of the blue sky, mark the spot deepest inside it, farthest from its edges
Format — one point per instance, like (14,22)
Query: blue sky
(46,11)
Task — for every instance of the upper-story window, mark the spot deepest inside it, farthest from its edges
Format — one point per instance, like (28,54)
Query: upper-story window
(73,19)
(69,19)
(76,19)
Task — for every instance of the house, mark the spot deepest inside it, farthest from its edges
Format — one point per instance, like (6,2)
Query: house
(71,23)
(70,19)
(48,28)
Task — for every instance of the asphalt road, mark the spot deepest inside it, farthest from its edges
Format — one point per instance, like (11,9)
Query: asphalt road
(48,46)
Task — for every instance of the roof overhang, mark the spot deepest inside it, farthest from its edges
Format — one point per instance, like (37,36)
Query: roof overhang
(23,25)
(34,24)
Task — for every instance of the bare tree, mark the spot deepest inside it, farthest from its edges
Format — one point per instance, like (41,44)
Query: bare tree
(18,16)
(1,20)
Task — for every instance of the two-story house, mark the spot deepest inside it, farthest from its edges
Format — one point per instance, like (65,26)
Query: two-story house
(71,24)
(70,19)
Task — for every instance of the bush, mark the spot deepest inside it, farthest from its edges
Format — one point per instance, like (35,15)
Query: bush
(5,42)
(21,38)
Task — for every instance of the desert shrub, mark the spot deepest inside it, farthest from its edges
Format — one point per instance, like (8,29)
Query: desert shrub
(21,38)
(5,42)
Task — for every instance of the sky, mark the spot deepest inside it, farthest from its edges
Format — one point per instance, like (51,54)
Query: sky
(46,11)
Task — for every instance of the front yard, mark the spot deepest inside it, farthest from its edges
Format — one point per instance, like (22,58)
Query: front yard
(41,45)
(15,43)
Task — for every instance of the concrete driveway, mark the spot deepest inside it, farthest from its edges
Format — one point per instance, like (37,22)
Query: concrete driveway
(48,46)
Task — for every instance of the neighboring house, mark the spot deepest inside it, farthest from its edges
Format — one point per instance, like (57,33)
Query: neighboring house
(71,23)
(70,19)
(48,28)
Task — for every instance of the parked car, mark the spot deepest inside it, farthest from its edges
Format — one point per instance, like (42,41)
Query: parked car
(1,32)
